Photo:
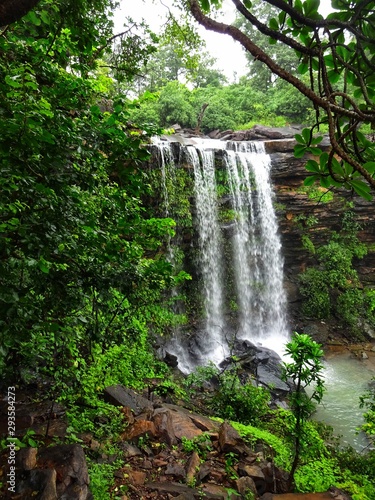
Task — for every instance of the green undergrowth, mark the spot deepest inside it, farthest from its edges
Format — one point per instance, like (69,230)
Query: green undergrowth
(275,447)
(322,465)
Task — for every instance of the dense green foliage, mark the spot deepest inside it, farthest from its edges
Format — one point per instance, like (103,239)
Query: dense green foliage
(235,106)
(336,55)
(367,401)
(332,287)
(82,270)
(231,399)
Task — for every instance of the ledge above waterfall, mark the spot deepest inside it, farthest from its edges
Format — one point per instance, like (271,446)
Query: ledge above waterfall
(275,139)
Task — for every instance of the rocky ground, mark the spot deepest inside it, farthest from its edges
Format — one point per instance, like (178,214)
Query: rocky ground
(169,452)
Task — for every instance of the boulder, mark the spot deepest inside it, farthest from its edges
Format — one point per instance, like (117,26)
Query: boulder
(231,442)
(57,472)
(119,395)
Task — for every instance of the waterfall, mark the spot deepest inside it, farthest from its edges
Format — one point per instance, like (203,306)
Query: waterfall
(255,264)
(257,256)
(210,258)
(167,166)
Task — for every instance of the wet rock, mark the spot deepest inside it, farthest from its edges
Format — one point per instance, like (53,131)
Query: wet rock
(171,360)
(173,489)
(300,496)
(41,481)
(164,426)
(231,442)
(276,480)
(175,470)
(119,395)
(252,471)
(246,485)
(139,429)
(57,472)
(137,477)
(69,462)
(26,458)
(318,330)
(269,379)
(130,450)
(192,469)
(261,363)
(204,472)
(218,492)
(183,423)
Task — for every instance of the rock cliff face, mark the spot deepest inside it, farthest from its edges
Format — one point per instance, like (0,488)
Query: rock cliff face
(288,174)
(293,207)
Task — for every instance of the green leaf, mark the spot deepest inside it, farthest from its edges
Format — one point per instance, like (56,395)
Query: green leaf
(333,76)
(309,181)
(325,181)
(205,4)
(315,64)
(299,150)
(315,151)
(337,167)
(95,110)
(303,68)
(273,24)
(31,16)
(329,61)
(43,265)
(361,188)
(299,138)
(45,17)
(370,166)
(12,81)
(312,166)
(310,7)
(111,121)
(306,134)
(248,4)
(316,140)
(351,78)
(282,17)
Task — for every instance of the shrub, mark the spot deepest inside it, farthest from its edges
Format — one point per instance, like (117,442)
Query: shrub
(231,400)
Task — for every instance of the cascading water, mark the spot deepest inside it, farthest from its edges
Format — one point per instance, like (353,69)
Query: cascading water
(256,253)
(210,261)
(167,167)
(256,247)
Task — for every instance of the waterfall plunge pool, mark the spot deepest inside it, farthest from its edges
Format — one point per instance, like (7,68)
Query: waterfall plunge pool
(346,379)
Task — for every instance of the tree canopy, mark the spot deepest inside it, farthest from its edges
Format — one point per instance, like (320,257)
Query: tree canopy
(337,54)
(82,268)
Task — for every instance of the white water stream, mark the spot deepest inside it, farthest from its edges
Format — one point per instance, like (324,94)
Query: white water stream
(257,248)
(210,257)
(255,244)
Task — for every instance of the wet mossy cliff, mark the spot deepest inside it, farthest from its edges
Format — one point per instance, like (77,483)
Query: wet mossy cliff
(307,217)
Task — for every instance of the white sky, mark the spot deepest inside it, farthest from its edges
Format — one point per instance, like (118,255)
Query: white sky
(229,54)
